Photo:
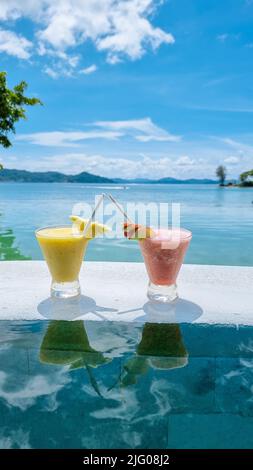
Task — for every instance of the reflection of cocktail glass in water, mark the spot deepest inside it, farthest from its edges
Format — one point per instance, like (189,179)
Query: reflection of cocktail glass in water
(161,347)
(163,343)
(67,343)
(163,253)
(63,250)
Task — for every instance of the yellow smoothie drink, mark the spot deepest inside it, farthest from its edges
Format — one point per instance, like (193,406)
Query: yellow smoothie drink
(63,250)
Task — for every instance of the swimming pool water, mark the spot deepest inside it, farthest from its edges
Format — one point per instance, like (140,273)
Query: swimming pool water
(118,385)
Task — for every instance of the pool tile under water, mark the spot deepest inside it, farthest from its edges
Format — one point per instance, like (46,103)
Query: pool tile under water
(118,385)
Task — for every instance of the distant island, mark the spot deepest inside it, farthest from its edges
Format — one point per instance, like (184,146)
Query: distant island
(23,176)
(167,180)
(245,179)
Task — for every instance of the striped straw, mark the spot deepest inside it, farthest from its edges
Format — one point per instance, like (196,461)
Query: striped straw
(87,226)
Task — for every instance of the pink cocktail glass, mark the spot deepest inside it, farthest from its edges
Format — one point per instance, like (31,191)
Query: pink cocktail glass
(163,255)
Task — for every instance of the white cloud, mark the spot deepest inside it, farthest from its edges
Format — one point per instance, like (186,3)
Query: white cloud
(185,161)
(241,148)
(131,31)
(59,70)
(63,65)
(51,72)
(120,29)
(88,70)
(225,36)
(73,61)
(149,130)
(222,37)
(231,142)
(66,139)
(109,130)
(15,9)
(141,166)
(232,160)
(14,45)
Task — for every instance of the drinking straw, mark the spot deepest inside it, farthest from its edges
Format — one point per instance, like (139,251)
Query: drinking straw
(87,226)
(119,208)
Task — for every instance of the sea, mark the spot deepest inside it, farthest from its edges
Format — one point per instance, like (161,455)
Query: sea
(221,219)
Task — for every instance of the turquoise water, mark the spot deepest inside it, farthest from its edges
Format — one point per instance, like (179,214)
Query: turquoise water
(117,385)
(221,219)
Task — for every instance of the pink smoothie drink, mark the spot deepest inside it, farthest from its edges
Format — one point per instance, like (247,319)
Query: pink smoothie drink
(164,253)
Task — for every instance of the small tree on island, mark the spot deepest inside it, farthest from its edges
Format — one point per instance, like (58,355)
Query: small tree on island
(221,173)
(12,108)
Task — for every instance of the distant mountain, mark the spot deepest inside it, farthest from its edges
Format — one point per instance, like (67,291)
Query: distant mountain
(134,180)
(188,181)
(88,178)
(50,177)
(24,176)
(165,181)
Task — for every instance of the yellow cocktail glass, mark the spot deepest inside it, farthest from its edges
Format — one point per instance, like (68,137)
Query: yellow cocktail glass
(63,249)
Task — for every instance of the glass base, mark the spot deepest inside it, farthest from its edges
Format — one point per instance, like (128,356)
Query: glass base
(164,294)
(65,290)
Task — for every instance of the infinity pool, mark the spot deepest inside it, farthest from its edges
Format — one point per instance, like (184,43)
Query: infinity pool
(117,385)
(221,220)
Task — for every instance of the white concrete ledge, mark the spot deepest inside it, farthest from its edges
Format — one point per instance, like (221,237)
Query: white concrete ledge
(117,292)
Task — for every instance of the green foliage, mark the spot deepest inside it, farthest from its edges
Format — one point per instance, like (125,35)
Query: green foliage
(8,250)
(12,107)
(244,177)
(221,173)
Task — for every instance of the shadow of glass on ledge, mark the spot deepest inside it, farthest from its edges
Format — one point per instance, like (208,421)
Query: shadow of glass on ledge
(178,311)
(72,308)
(125,385)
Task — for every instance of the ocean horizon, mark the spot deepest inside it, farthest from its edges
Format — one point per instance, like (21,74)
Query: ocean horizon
(221,219)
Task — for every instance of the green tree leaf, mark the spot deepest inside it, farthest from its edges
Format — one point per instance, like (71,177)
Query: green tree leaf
(12,108)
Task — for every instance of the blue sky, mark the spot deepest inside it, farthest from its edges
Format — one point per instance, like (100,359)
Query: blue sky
(133,88)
